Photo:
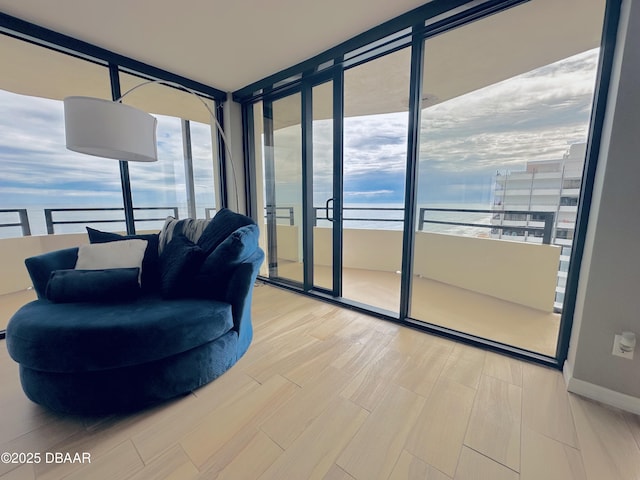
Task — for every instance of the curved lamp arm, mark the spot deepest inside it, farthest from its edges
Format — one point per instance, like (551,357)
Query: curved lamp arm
(214,121)
(192,92)
(112,129)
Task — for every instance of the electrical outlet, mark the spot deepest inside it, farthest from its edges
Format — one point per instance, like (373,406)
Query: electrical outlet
(617,351)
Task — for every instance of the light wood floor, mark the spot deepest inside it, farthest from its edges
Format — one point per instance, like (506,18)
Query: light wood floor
(326,393)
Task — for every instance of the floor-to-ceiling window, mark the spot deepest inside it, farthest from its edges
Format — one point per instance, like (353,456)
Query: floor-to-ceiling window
(455,195)
(376,97)
(500,166)
(40,180)
(38,172)
(185,173)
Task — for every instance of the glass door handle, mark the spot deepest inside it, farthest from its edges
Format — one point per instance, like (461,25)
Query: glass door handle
(326,209)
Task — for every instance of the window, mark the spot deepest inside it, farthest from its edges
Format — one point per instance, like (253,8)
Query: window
(38,172)
(568,201)
(495,124)
(520,217)
(184,176)
(571,183)
(564,234)
(494,135)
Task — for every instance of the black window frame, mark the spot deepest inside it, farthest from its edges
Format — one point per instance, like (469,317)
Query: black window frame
(431,19)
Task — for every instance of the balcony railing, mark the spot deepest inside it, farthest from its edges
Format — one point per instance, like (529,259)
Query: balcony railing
(322,213)
(536,216)
(287,213)
(51,222)
(318,211)
(23,221)
(289,216)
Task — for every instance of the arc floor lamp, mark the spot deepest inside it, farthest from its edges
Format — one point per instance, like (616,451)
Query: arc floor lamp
(112,129)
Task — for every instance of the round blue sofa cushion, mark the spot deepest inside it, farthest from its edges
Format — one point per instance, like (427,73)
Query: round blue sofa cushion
(84,337)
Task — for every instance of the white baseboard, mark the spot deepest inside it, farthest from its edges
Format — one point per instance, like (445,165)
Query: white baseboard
(599,393)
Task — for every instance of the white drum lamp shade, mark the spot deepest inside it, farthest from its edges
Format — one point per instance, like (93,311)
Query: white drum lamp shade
(109,129)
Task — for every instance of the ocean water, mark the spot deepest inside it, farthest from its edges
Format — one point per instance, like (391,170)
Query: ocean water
(365,216)
(372,217)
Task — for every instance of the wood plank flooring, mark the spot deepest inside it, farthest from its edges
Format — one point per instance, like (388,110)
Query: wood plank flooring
(326,393)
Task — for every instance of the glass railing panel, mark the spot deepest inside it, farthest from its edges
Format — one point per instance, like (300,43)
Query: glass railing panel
(38,171)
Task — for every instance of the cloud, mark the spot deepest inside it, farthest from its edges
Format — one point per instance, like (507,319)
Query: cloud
(369,194)
(38,169)
(375,144)
(463,141)
(33,156)
(533,116)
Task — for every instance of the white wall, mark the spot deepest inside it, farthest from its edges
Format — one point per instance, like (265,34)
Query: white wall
(523,273)
(13,251)
(608,300)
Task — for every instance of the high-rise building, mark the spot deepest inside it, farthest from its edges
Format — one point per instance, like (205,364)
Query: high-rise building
(529,195)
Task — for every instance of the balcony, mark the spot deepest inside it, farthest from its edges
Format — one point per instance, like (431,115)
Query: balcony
(517,192)
(547,175)
(488,288)
(495,289)
(569,208)
(518,176)
(551,191)
(448,306)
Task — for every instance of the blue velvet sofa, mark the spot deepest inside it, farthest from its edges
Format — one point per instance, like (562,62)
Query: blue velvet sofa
(107,356)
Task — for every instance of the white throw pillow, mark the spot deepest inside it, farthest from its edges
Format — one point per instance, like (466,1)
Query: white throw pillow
(121,254)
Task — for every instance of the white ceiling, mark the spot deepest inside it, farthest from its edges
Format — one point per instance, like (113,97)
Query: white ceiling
(175,38)
(226,44)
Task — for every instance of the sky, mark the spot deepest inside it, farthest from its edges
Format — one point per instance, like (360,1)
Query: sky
(463,142)
(37,169)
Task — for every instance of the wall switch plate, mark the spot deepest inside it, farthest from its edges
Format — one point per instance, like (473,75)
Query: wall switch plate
(617,351)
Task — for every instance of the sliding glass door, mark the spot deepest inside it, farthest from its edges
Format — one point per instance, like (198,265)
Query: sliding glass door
(283,187)
(334,216)
(326,198)
(433,176)
(299,194)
